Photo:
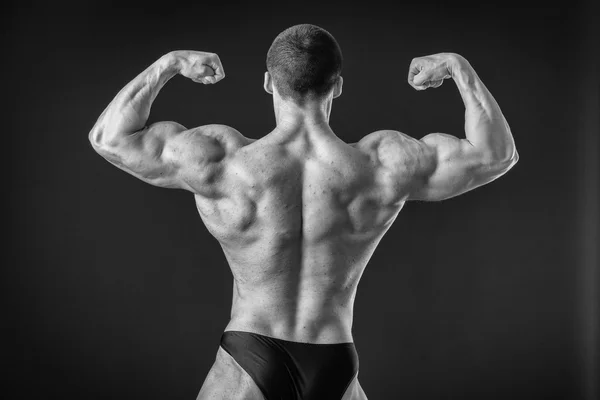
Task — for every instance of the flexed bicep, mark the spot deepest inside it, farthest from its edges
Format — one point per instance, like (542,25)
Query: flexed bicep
(164,154)
(454,165)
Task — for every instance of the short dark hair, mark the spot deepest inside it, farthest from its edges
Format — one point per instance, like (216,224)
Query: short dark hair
(304,61)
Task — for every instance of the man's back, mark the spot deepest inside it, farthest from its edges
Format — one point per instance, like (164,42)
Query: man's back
(299,215)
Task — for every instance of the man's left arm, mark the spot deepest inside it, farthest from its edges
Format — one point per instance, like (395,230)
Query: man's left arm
(165,153)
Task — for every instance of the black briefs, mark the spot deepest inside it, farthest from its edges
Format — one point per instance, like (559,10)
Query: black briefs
(285,370)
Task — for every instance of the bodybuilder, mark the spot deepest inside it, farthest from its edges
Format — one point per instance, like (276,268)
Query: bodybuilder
(299,212)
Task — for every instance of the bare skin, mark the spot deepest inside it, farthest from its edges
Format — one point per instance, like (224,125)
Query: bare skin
(299,212)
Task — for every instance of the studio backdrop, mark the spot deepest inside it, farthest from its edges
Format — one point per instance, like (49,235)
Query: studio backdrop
(114,289)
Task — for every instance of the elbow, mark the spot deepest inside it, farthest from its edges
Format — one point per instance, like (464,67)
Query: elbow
(95,138)
(515,157)
(504,158)
(504,164)
(511,160)
(100,142)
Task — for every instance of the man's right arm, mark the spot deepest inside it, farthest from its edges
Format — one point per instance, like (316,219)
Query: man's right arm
(447,166)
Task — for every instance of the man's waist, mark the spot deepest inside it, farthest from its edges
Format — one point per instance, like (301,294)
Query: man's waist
(322,327)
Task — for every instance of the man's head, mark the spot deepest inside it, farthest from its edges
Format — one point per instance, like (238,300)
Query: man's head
(304,63)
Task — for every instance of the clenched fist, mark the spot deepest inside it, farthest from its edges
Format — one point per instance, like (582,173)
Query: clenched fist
(199,66)
(430,71)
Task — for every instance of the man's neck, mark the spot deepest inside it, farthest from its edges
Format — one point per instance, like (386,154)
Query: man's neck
(290,116)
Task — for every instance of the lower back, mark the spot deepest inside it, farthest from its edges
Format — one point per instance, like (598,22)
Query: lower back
(303,295)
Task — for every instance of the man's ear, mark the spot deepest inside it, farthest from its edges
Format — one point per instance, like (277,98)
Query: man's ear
(337,88)
(268,85)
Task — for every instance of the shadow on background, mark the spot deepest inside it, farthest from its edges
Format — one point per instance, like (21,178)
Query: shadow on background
(115,289)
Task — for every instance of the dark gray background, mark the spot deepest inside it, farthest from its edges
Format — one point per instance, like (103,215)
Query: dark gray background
(116,290)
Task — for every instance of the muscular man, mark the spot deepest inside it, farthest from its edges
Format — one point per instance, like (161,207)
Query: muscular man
(299,212)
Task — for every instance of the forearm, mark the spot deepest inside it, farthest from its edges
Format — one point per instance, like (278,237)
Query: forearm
(485,126)
(129,110)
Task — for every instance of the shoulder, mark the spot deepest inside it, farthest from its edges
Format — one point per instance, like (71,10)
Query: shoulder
(228,138)
(385,137)
(393,149)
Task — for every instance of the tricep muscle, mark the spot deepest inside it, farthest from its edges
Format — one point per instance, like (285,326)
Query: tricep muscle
(166,154)
(454,166)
